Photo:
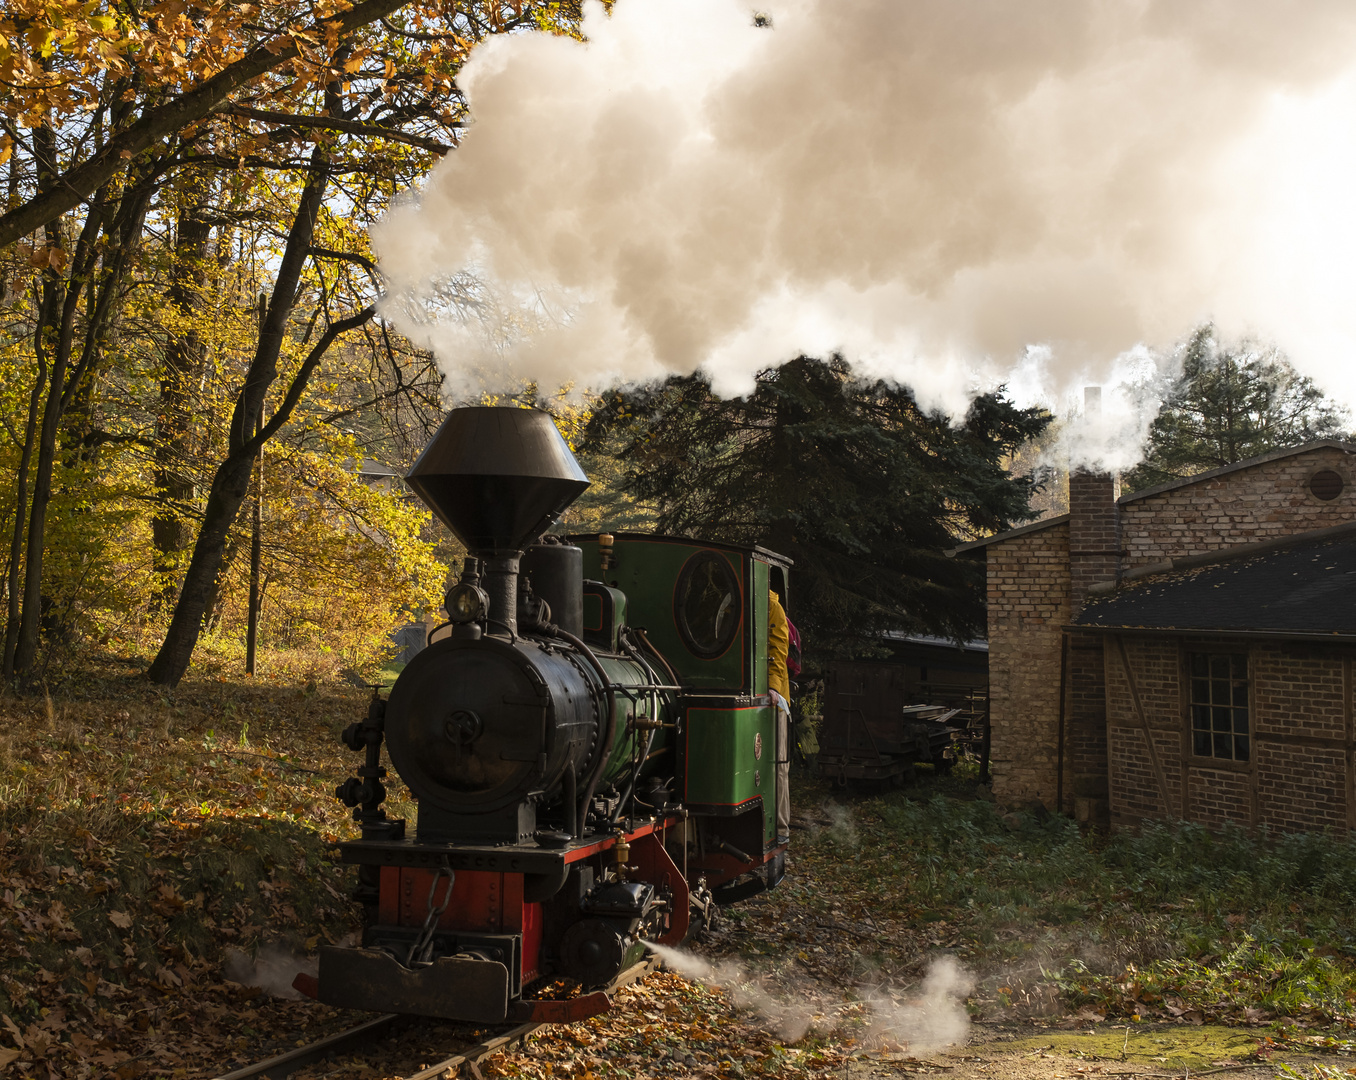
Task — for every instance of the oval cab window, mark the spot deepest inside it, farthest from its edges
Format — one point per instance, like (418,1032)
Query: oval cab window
(706,604)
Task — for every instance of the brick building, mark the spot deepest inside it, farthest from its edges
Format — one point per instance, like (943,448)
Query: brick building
(1182,652)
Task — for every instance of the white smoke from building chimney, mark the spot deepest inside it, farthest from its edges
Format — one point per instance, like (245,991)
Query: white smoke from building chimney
(953,194)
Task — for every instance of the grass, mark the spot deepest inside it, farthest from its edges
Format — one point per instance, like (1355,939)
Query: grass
(144,834)
(1170,920)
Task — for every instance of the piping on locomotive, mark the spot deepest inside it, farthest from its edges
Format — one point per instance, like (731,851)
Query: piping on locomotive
(592,748)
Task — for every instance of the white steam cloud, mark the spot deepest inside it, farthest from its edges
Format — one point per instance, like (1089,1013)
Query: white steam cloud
(272,970)
(951,193)
(933,1018)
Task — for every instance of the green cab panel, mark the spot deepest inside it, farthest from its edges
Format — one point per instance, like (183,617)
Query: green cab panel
(694,601)
(730,758)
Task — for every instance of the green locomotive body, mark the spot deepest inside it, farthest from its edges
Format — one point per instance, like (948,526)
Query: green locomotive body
(704,606)
(591,745)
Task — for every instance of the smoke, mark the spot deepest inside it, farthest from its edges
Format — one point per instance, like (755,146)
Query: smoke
(932,1018)
(834,821)
(952,194)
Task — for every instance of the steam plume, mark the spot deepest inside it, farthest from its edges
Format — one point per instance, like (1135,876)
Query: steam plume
(935,1018)
(951,193)
(271,971)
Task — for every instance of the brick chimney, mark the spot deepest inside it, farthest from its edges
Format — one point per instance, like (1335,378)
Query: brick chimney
(1094,520)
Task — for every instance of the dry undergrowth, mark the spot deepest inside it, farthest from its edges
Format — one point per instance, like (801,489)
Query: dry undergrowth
(156,846)
(144,835)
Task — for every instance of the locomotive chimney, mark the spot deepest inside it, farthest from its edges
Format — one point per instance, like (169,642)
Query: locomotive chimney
(498,478)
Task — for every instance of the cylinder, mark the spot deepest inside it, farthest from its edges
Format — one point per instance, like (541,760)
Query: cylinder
(557,575)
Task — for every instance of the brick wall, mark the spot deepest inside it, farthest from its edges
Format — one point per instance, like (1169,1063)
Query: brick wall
(1298,690)
(1085,745)
(1300,696)
(1028,590)
(1219,797)
(1137,789)
(1094,541)
(1299,776)
(1301,704)
(1258,503)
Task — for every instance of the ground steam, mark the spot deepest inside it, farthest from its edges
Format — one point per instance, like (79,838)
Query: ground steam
(271,970)
(952,195)
(933,1018)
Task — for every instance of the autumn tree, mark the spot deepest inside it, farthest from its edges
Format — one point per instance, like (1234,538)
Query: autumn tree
(1230,403)
(123,126)
(861,487)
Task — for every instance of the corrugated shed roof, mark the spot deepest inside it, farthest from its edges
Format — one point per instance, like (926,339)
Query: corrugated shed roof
(1306,588)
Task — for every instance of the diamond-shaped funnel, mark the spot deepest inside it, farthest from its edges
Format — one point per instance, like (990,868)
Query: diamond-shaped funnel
(497,477)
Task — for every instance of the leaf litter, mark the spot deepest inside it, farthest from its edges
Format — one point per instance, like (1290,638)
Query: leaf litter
(167,865)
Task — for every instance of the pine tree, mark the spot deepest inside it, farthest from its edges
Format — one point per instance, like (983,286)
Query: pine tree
(1229,404)
(852,480)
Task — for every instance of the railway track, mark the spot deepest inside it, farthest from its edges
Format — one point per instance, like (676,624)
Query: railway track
(366,1035)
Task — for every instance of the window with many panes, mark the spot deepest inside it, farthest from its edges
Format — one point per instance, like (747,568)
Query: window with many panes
(1219,705)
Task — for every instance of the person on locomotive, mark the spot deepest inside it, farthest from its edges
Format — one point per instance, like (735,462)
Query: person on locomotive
(779,686)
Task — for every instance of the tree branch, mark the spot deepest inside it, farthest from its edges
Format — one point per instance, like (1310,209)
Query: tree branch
(347,256)
(298,387)
(76,184)
(334,123)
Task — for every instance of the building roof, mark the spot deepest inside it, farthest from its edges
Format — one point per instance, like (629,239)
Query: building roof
(1238,466)
(1035,526)
(1304,586)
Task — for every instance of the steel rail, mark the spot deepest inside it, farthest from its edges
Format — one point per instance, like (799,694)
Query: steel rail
(275,1068)
(283,1065)
(472,1055)
(475,1054)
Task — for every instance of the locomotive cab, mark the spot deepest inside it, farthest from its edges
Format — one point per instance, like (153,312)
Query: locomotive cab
(590,744)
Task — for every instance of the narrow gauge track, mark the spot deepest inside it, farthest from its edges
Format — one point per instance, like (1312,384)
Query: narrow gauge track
(366,1034)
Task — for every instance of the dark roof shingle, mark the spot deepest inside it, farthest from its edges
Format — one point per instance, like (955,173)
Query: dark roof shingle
(1308,588)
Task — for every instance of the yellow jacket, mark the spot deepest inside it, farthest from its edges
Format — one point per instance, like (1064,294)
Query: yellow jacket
(778,641)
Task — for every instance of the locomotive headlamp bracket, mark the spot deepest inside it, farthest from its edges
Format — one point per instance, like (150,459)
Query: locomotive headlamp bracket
(466,603)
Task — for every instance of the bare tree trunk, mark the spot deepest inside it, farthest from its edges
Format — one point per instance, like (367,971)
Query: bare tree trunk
(229,488)
(21,513)
(60,338)
(230,485)
(56,335)
(184,357)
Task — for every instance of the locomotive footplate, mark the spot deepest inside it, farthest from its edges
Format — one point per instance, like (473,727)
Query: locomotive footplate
(530,858)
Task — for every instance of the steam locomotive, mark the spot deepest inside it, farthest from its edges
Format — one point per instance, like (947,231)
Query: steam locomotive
(591,747)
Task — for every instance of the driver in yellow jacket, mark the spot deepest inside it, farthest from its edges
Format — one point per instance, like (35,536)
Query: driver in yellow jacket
(779,687)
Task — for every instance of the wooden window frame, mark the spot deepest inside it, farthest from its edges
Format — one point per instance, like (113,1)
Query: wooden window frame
(1245,741)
